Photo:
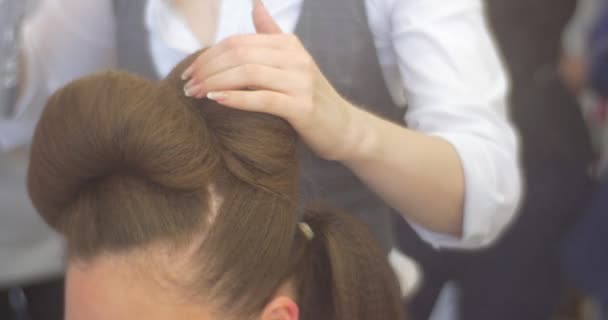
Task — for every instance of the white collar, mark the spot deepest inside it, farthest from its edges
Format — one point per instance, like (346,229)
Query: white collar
(162,20)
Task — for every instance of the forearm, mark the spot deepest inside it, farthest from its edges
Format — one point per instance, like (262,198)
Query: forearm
(421,176)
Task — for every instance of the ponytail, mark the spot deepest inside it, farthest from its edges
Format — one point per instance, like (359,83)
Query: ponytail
(344,274)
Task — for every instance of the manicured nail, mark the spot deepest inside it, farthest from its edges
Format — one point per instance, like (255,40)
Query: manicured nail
(191,90)
(217,95)
(187,92)
(190,83)
(188,73)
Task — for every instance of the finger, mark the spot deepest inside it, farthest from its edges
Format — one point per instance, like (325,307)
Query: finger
(274,41)
(263,21)
(242,56)
(274,103)
(253,76)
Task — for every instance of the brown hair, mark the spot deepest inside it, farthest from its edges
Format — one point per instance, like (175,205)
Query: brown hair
(119,163)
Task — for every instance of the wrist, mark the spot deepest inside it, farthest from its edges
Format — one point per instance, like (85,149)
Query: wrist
(361,137)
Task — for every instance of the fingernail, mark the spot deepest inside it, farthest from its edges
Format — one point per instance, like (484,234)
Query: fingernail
(190,83)
(217,95)
(188,73)
(188,92)
(191,90)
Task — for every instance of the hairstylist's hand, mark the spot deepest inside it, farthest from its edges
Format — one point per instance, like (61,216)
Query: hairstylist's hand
(286,82)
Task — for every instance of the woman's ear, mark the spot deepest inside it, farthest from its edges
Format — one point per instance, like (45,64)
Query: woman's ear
(281,308)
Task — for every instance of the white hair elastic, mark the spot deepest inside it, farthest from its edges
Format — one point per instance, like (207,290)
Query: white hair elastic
(306,230)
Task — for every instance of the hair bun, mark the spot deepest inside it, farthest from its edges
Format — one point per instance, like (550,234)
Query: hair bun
(112,123)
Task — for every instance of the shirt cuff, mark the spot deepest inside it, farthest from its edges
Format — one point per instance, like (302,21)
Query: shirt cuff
(492,192)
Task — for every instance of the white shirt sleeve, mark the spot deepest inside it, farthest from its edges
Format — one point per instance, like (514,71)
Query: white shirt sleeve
(64,40)
(456,89)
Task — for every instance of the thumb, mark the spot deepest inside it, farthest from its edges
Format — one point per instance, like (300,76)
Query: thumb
(263,21)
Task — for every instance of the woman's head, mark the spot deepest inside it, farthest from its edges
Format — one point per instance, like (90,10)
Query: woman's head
(181,208)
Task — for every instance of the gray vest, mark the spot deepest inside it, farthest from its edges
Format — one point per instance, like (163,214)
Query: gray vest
(337,35)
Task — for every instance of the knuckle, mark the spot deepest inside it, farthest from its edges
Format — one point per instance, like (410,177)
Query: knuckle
(308,85)
(308,104)
(300,62)
(262,101)
(271,100)
(307,63)
(232,43)
(302,85)
(307,79)
(250,72)
(239,54)
(195,77)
